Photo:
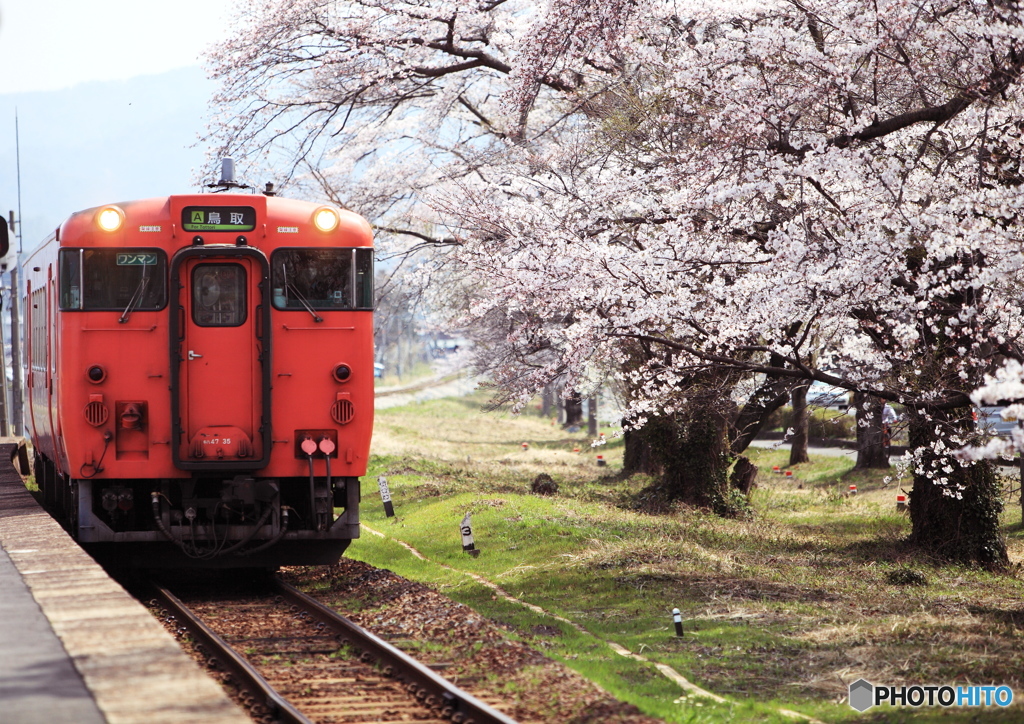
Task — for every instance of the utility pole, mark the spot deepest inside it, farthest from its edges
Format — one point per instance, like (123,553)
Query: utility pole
(16,418)
(5,407)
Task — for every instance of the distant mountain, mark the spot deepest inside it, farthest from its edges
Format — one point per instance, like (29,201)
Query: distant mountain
(99,143)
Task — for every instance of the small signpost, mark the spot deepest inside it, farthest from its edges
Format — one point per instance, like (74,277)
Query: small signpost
(467,537)
(385,496)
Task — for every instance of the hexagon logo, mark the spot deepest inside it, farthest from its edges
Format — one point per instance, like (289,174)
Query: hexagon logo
(862,695)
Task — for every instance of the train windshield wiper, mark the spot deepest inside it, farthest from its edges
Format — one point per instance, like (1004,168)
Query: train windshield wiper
(135,300)
(302,300)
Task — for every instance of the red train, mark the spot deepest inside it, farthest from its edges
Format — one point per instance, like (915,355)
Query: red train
(200,378)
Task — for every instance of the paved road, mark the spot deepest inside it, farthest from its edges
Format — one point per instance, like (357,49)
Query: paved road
(452,388)
(827,451)
(1011,470)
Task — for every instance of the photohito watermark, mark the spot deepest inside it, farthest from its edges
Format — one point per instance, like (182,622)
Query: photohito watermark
(864,695)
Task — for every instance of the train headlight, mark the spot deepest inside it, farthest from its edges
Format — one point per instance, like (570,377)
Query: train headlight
(110,218)
(326,218)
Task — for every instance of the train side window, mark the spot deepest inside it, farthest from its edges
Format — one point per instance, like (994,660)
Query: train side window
(218,295)
(112,279)
(69,274)
(364,278)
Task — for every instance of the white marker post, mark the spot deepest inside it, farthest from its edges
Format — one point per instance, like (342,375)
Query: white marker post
(677,617)
(467,537)
(385,496)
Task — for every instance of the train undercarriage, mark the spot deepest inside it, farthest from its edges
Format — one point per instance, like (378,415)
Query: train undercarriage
(206,521)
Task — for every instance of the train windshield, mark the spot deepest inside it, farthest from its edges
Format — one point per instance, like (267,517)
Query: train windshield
(112,279)
(317,280)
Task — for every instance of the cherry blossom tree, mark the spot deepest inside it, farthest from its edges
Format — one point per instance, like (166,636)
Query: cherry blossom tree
(375,104)
(370,101)
(806,190)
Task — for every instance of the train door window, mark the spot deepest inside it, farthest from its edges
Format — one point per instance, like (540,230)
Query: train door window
(218,295)
(112,279)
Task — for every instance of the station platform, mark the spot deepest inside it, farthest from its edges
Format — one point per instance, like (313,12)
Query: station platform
(74,646)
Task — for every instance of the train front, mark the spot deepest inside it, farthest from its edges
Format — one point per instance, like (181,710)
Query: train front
(214,386)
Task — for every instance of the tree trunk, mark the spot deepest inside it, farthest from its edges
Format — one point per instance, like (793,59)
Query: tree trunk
(769,397)
(798,441)
(958,520)
(638,456)
(592,416)
(573,410)
(689,453)
(871,452)
(695,449)
(546,401)
(744,473)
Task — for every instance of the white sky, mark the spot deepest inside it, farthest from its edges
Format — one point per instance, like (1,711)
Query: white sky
(55,44)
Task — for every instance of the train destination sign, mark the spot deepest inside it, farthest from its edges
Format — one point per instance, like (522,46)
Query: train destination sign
(218,218)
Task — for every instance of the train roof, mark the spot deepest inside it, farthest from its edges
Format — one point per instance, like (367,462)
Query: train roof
(268,213)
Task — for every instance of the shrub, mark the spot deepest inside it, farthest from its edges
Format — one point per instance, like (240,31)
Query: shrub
(906,577)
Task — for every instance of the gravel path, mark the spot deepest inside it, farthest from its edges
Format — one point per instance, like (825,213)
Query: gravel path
(420,392)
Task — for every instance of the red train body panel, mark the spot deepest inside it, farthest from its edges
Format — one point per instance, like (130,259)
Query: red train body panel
(200,377)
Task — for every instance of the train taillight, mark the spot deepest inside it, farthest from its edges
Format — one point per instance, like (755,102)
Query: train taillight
(342,372)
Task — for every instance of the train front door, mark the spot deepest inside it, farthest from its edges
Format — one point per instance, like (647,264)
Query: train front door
(220,346)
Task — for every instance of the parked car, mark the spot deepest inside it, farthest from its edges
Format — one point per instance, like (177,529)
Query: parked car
(822,395)
(991,420)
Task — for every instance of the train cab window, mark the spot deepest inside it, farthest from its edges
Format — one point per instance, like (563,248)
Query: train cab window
(112,279)
(218,295)
(316,279)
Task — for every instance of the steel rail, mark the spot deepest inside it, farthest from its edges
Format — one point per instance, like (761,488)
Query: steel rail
(423,683)
(244,673)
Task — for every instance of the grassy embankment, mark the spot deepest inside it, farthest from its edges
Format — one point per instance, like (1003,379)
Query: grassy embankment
(782,610)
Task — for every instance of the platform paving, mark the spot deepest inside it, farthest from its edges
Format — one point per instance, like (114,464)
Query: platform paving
(74,646)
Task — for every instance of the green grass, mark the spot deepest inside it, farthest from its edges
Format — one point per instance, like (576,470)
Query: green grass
(782,610)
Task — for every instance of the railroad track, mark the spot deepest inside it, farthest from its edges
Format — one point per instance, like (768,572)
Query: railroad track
(292,659)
